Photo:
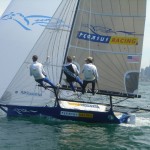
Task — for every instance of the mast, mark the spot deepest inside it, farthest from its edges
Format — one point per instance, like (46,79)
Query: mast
(70,37)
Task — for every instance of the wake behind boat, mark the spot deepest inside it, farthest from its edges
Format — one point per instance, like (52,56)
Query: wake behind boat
(109,31)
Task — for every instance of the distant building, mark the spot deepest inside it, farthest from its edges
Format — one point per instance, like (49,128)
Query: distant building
(145,74)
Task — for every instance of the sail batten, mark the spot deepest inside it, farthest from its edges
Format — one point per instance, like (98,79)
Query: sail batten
(112,15)
(104,51)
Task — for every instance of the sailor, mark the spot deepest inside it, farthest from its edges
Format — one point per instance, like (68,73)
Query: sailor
(71,72)
(90,74)
(37,70)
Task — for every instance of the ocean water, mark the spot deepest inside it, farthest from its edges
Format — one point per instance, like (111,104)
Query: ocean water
(51,134)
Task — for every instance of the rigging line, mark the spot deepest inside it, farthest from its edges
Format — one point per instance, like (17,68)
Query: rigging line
(133,65)
(58,34)
(83,6)
(62,14)
(50,22)
(136,49)
(107,71)
(72,26)
(70,11)
(112,48)
(136,108)
(51,48)
(119,82)
(119,71)
(107,56)
(89,28)
(103,24)
(118,46)
(79,29)
(50,37)
(121,47)
(120,101)
(125,67)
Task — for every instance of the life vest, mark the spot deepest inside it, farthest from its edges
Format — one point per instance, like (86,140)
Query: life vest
(69,72)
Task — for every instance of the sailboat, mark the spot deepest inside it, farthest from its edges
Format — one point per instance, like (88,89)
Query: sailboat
(110,31)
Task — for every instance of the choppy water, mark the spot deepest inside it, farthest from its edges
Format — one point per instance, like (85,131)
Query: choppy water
(52,134)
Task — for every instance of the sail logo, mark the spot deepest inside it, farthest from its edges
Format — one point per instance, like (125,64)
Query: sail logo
(121,40)
(106,30)
(30,93)
(28,22)
(93,37)
(71,114)
(23,111)
(76,114)
(124,40)
(84,105)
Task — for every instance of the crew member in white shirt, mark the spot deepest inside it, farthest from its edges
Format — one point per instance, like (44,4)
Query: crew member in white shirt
(37,71)
(90,74)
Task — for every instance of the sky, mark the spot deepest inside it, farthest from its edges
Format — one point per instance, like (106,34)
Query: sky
(146,45)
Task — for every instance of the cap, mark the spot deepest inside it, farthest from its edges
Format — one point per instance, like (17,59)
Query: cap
(90,59)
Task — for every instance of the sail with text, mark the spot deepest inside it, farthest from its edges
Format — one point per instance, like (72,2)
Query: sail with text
(111,31)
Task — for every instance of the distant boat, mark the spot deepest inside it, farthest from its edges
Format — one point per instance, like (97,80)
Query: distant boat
(109,31)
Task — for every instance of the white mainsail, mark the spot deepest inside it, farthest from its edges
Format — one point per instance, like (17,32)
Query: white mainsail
(51,48)
(20,26)
(111,31)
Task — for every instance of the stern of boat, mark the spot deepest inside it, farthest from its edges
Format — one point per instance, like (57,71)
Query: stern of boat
(126,118)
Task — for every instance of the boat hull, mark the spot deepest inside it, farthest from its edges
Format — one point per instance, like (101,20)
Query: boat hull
(64,114)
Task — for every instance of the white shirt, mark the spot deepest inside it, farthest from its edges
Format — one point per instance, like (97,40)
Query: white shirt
(90,72)
(37,70)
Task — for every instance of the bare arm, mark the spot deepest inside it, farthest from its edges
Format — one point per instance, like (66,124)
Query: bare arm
(75,69)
